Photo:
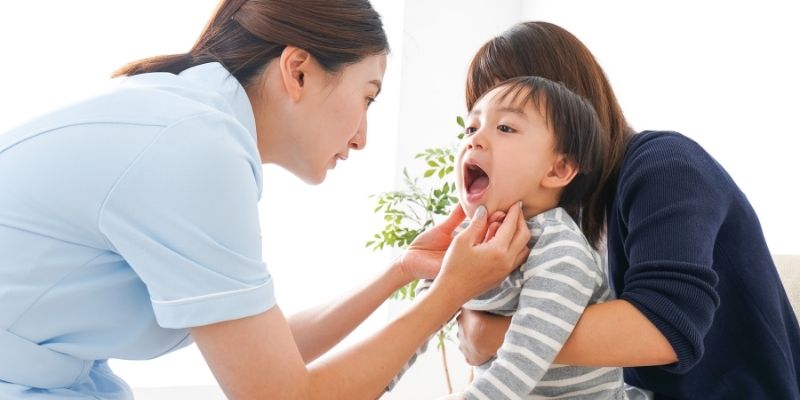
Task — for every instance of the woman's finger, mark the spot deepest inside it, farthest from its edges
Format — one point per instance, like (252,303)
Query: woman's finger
(494,223)
(505,233)
(455,218)
(497,216)
(493,226)
(476,230)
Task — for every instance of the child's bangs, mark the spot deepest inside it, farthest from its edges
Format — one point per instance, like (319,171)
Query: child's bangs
(521,93)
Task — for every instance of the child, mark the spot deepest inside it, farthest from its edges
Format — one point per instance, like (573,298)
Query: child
(533,140)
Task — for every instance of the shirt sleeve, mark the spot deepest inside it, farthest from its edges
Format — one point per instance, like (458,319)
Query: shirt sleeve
(560,278)
(184,216)
(673,202)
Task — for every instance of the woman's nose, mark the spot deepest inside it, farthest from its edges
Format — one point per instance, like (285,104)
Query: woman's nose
(359,140)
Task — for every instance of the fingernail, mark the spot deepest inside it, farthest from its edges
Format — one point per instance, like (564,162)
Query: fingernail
(520,205)
(480,212)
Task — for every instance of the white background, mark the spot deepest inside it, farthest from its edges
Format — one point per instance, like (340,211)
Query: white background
(724,73)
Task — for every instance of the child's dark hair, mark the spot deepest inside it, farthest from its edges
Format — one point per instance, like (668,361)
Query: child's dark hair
(578,135)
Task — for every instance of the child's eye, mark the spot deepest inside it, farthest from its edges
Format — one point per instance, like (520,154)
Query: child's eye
(470,130)
(505,129)
(370,100)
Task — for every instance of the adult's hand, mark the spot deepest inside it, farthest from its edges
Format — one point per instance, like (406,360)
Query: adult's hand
(473,264)
(495,220)
(423,257)
(480,335)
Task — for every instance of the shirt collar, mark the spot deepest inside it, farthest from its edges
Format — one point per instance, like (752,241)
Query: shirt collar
(215,77)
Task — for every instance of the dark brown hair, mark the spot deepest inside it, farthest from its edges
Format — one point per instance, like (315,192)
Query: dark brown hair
(245,35)
(547,50)
(577,130)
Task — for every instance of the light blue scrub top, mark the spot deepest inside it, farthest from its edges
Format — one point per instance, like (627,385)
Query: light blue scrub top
(124,220)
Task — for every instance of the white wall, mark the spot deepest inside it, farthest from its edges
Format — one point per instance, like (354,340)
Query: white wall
(724,73)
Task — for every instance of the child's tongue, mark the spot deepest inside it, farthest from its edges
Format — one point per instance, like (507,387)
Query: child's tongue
(479,184)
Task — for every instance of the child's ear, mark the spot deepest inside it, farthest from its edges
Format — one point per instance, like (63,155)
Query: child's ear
(294,65)
(561,174)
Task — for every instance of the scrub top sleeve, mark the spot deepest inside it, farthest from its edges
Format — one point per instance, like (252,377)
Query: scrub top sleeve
(185,218)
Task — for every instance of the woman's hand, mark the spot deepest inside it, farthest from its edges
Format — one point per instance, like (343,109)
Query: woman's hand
(423,257)
(480,335)
(474,264)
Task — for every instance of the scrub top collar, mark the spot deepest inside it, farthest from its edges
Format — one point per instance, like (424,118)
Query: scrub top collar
(215,77)
(210,77)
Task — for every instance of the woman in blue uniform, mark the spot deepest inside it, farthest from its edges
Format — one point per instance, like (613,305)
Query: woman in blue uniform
(129,227)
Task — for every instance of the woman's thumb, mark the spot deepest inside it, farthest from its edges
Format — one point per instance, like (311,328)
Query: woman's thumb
(455,218)
(477,226)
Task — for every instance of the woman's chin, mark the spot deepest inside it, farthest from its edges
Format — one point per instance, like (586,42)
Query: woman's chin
(311,177)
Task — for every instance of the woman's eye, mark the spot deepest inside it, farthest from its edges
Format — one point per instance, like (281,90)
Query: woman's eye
(370,100)
(470,130)
(505,128)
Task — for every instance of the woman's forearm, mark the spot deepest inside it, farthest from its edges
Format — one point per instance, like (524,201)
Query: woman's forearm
(616,334)
(385,352)
(256,357)
(318,329)
(611,334)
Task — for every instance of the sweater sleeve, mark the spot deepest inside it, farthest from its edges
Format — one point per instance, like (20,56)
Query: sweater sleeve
(673,200)
(560,278)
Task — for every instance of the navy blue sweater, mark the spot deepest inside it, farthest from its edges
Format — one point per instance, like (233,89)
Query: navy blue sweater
(686,248)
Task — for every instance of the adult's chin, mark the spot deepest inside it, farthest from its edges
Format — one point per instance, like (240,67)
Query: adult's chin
(315,179)
(311,177)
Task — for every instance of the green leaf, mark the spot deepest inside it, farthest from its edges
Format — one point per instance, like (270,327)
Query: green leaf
(432,163)
(429,172)
(460,121)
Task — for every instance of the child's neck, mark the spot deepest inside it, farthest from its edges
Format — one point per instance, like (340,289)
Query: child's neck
(532,210)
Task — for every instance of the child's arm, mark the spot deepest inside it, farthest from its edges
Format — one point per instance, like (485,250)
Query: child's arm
(560,278)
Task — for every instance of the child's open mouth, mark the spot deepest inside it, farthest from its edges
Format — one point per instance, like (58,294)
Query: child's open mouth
(475,181)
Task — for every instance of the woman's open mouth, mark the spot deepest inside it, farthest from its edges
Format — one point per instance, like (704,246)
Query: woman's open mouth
(476,181)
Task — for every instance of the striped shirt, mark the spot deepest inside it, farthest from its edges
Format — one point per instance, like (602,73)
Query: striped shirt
(545,297)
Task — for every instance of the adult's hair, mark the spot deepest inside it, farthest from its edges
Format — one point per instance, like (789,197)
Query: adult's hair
(547,50)
(577,130)
(245,35)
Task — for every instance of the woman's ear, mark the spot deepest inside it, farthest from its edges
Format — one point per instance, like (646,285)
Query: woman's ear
(561,174)
(294,64)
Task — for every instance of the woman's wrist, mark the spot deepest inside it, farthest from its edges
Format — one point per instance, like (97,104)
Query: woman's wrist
(397,274)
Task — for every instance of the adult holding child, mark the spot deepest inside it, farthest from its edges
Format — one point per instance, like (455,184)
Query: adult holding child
(700,311)
(129,226)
